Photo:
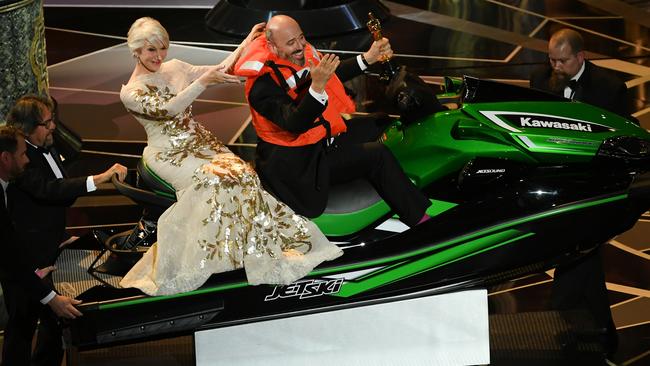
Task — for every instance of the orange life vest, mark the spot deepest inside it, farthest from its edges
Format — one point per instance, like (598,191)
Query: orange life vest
(255,63)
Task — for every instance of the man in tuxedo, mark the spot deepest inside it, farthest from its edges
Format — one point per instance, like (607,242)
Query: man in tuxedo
(571,75)
(581,285)
(25,293)
(40,198)
(296,98)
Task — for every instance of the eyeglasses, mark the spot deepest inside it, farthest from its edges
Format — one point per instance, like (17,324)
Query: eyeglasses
(47,123)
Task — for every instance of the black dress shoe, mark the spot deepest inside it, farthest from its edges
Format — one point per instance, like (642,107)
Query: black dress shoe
(610,341)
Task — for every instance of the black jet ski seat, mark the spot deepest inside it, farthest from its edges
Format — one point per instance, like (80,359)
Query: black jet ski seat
(156,195)
(150,191)
(351,196)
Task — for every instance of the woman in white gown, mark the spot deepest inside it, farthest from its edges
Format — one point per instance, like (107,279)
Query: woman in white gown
(223,219)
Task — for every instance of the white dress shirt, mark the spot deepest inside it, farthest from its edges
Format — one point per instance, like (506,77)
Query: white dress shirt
(568,92)
(4,189)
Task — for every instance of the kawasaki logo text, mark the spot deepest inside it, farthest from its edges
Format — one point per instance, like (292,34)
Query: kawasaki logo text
(529,122)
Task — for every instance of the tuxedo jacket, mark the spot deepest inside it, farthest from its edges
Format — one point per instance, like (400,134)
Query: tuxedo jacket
(596,86)
(14,263)
(39,201)
(297,174)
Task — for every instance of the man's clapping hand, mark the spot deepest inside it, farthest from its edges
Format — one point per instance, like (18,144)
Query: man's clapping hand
(321,73)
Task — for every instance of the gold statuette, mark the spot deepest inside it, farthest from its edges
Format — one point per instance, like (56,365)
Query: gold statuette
(387,68)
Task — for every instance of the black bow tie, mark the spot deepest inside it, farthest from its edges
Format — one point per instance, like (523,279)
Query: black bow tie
(572,84)
(302,77)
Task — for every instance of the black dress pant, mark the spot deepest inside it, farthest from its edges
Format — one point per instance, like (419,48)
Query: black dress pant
(581,286)
(24,313)
(357,154)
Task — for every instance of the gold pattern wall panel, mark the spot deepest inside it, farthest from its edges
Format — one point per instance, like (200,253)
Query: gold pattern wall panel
(23,64)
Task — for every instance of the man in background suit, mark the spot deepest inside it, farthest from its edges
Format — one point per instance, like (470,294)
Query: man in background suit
(581,285)
(40,200)
(571,75)
(24,291)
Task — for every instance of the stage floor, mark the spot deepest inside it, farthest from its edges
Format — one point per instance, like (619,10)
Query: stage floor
(89,62)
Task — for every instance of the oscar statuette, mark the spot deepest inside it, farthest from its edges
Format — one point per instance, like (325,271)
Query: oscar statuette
(388,70)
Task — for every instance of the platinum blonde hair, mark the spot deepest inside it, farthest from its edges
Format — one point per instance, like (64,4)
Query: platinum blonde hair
(144,30)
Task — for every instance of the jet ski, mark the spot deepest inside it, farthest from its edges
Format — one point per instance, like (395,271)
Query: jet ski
(520,181)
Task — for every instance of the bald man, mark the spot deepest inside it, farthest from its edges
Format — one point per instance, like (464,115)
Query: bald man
(581,285)
(296,98)
(570,75)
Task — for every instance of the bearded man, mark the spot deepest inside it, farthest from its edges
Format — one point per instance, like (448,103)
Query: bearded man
(24,292)
(297,100)
(571,75)
(581,285)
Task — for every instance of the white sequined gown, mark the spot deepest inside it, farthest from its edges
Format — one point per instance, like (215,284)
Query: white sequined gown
(223,219)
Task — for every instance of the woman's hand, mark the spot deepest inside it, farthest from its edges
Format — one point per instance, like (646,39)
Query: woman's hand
(256,31)
(217,75)
(230,61)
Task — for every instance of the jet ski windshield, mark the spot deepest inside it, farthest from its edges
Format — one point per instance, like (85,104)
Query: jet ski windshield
(487,91)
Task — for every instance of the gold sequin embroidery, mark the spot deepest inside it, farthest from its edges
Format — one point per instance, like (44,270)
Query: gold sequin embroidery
(248,225)
(185,136)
